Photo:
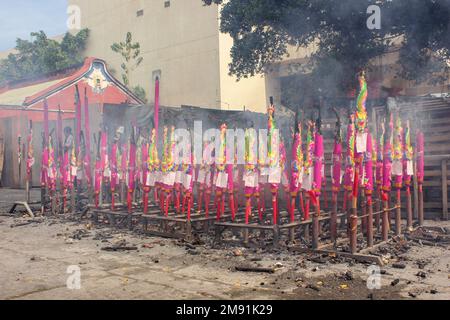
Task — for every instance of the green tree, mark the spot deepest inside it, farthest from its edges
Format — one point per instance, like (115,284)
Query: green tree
(263,29)
(42,55)
(140,93)
(130,52)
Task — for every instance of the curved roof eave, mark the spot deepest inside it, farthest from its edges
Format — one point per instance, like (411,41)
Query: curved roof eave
(75,78)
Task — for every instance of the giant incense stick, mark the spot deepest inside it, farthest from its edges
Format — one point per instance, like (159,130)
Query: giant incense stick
(30,159)
(187,184)
(360,150)
(52,172)
(168,168)
(251,173)
(420,170)
(145,174)
(222,174)
(273,149)
(98,171)
(230,160)
(131,170)
(114,168)
(284,174)
(60,154)
(387,170)
(123,169)
(368,187)
(397,170)
(317,179)
(379,169)
(408,172)
(87,130)
(318,164)
(297,165)
(308,166)
(79,160)
(44,159)
(349,161)
(153,163)
(336,176)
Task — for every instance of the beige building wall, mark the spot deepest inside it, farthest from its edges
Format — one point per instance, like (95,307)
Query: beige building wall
(181,40)
(247,93)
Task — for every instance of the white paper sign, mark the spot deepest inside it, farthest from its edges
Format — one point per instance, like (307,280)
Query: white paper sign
(50,173)
(169,178)
(397,168)
(409,168)
(297,182)
(150,181)
(274,175)
(300,177)
(159,176)
(107,173)
(264,171)
(179,177)
(187,181)
(201,176)
(222,180)
(361,142)
(284,180)
(208,178)
(306,185)
(73,171)
(250,179)
(215,179)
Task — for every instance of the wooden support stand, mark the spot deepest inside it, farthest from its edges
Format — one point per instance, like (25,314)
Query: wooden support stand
(24,204)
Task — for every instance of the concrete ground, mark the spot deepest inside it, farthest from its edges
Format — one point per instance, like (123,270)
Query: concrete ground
(35,258)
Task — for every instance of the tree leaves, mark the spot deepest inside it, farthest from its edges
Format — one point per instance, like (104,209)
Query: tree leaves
(130,53)
(262,29)
(42,55)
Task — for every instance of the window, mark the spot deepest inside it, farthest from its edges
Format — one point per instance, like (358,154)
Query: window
(140,13)
(166,4)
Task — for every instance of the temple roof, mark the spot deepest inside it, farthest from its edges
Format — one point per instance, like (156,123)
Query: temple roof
(91,78)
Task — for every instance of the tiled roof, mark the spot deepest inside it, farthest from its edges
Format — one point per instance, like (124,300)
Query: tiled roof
(32,94)
(16,97)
